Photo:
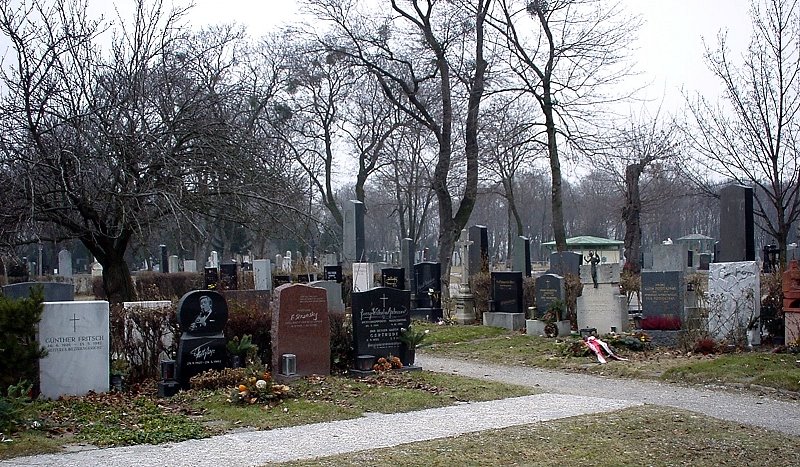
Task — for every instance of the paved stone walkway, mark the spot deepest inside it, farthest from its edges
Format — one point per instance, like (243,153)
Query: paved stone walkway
(566,395)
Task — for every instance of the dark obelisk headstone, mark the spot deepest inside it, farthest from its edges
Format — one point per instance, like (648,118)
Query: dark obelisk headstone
(479,250)
(736,228)
(353,232)
(522,256)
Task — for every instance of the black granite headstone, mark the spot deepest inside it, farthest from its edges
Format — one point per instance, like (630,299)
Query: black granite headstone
(280,279)
(522,255)
(202,315)
(211,276)
(394,278)
(228,277)
(549,288)
(662,293)
(479,250)
(53,291)
(164,259)
(333,273)
(507,292)
(378,316)
(736,227)
(427,277)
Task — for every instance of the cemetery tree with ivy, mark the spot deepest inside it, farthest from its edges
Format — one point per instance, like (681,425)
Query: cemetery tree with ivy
(428,58)
(751,135)
(567,55)
(106,144)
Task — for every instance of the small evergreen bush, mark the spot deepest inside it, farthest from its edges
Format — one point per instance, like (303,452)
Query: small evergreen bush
(19,349)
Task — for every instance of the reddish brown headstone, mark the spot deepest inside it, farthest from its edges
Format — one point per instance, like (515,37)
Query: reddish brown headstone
(791,302)
(300,326)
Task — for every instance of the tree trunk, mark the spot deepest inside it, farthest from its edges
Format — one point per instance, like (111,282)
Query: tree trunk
(559,232)
(110,253)
(631,214)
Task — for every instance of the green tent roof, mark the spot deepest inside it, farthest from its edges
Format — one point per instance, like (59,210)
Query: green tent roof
(588,241)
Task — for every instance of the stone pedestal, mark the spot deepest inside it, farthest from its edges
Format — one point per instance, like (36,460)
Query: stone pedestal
(602,308)
(465,308)
(511,321)
(535,327)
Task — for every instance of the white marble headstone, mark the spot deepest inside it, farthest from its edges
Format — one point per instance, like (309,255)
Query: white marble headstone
(363,276)
(734,291)
(189,265)
(65,263)
(76,336)
(262,273)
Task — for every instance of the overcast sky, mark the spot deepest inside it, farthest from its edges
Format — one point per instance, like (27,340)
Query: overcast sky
(670,46)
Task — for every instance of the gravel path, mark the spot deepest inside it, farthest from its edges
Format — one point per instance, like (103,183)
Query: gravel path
(746,408)
(324,439)
(566,395)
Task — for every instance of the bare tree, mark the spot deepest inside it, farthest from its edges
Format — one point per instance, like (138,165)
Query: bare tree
(423,54)
(567,54)
(751,135)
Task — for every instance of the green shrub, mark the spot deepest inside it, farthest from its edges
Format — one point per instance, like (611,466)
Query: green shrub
(341,342)
(12,405)
(19,349)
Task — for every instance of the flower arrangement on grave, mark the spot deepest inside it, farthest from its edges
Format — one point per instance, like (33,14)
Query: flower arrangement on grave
(412,337)
(387,363)
(258,387)
(434,296)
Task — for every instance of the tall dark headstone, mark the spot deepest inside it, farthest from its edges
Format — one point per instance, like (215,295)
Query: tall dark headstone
(479,250)
(300,326)
(378,316)
(394,278)
(353,232)
(428,293)
(407,260)
(522,255)
(202,315)
(164,259)
(736,228)
(507,292)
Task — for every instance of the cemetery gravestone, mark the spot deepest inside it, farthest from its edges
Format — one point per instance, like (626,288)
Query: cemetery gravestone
(228,277)
(394,278)
(734,301)
(522,255)
(549,289)
(53,291)
(378,316)
(428,295)
(174,264)
(506,305)
(663,294)
(76,336)
(190,265)
(65,263)
(211,278)
(672,257)
(300,326)
(164,259)
(262,274)
(565,262)
(202,315)
(353,231)
(334,297)
(333,273)
(479,250)
(280,279)
(602,308)
(736,228)
(363,276)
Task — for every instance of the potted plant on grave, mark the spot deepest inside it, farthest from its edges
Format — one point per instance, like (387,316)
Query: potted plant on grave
(119,370)
(556,325)
(240,349)
(410,338)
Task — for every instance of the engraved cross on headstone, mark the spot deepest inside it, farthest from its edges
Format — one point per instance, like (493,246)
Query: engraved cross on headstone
(74,324)
(383,299)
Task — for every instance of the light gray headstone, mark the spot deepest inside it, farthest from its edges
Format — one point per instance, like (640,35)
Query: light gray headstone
(174,264)
(363,276)
(667,258)
(334,290)
(602,308)
(607,273)
(353,231)
(734,301)
(65,263)
(189,265)
(262,274)
(76,336)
